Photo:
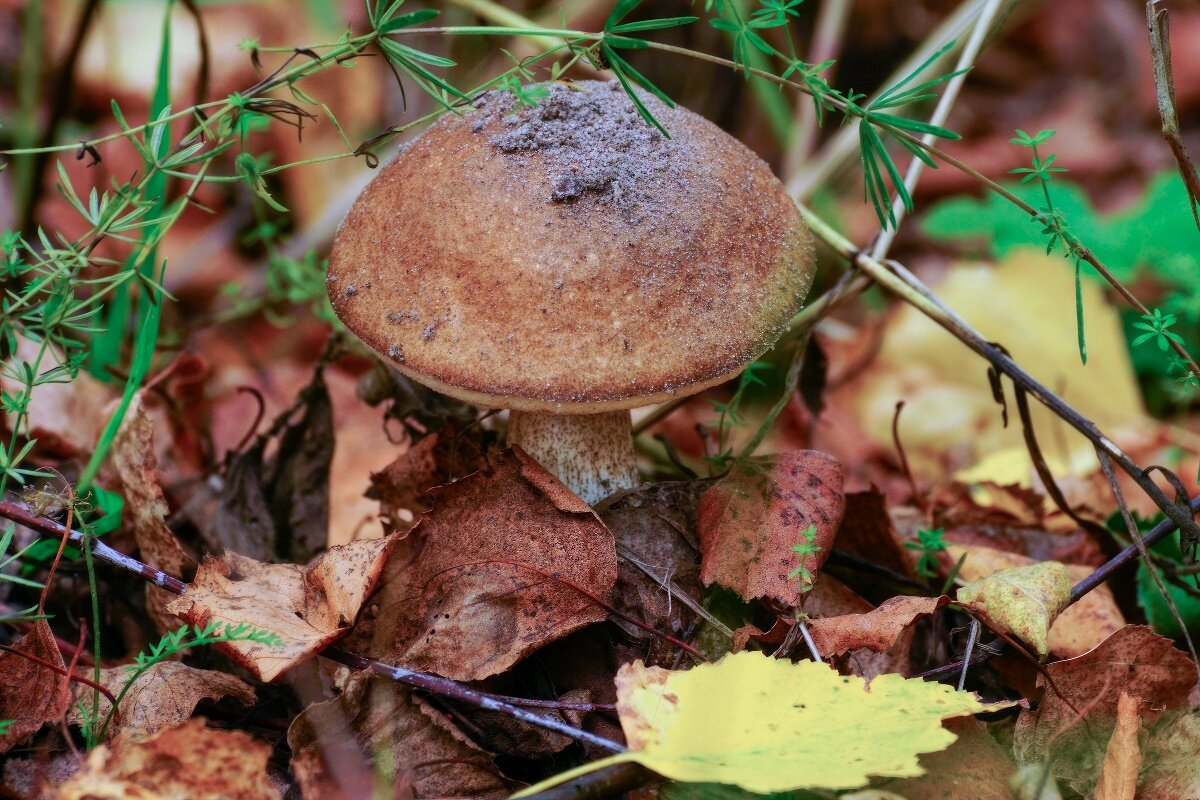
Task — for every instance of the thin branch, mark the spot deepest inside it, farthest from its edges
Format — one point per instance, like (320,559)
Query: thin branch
(434,684)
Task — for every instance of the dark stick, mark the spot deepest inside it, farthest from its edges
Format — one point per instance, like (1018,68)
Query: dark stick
(62,93)
(434,684)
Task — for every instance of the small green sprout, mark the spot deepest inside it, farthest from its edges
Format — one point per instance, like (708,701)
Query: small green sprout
(930,542)
(803,551)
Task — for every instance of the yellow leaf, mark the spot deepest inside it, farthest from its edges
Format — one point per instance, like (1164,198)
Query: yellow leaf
(1123,759)
(769,725)
(1023,601)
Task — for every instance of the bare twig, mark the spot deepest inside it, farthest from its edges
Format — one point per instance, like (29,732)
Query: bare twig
(1157,22)
(434,684)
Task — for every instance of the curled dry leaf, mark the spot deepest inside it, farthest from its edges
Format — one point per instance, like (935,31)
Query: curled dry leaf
(308,608)
(164,695)
(1073,725)
(482,580)
(876,630)
(1021,601)
(31,694)
(1078,629)
(190,761)
(1123,758)
(146,508)
(376,730)
(750,521)
(401,485)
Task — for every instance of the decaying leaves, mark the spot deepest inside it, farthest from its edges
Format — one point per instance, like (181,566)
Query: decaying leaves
(31,694)
(164,695)
(376,733)
(146,509)
(750,521)
(976,766)
(480,582)
(653,528)
(1021,601)
(1170,768)
(876,630)
(1078,629)
(1073,724)
(189,761)
(307,607)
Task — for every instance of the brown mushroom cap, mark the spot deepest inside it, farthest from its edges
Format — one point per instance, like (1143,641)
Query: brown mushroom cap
(569,257)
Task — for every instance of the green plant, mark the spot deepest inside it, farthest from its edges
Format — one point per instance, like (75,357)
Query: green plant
(729,414)
(171,644)
(930,542)
(803,551)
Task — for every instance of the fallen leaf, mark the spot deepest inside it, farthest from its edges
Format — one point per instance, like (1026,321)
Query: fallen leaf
(875,630)
(191,762)
(975,767)
(945,387)
(750,521)
(832,598)
(654,530)
(479,583)
(308,608)
(1123,758)
(375,732)
(1021,601)
(30,694)
(146,508)
(1082,626)
(1170,769)
(1034,782)
(401,485)
(770,725)
(868,532)
(1074,721)
(164,696)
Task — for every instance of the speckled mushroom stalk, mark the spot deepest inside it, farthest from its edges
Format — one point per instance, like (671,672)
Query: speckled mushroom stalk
(591,453)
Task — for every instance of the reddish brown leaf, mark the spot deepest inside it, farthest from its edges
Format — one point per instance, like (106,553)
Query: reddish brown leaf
(1071,730)
(146,508)
(750,520)
(189,761)
(401,485)
(877,630)
(162,697)
(308,608)
(867,531)
(335,743)
(481,582)
(31,694)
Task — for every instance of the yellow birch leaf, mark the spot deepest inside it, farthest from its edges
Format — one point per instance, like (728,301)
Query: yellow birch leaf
(770,725)
(1022,601)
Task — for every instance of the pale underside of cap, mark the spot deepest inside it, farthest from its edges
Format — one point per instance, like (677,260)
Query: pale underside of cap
(569,258)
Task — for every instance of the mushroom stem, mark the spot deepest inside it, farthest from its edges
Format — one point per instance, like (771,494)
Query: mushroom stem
(591,453)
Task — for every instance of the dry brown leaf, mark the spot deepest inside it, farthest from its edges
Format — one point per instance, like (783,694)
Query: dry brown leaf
(868,532)
(401,485)
(832,598)
(481,582)
(375,722)
(974,767)
(308,608)
(1082,626)
(165,695)
(750,520)
(1123,759)
(146,509)
(1072,730)
(189,762)
(31,694)
(876,630)
(1171,770)
(655,527)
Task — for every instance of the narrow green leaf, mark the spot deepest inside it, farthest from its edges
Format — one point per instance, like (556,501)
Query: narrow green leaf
(408,20)
(651,24)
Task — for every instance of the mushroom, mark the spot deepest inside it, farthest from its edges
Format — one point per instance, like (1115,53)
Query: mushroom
(569,262)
